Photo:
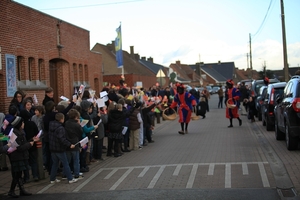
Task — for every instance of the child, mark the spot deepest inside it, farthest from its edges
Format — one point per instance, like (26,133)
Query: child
(201,107)
(99,133)
(19,157)
(74,133)
(38,117)
(251,108)
(57,145)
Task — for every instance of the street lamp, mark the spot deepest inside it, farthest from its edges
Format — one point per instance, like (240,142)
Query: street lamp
(160,74)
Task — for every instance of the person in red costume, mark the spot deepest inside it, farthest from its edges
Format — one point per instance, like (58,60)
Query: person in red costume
(185,102)
(232,95)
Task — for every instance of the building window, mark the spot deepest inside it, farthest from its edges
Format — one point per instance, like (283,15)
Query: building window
(19,66)
(86,77)
(41,70)
(80,73)
(75,72)
(30,68)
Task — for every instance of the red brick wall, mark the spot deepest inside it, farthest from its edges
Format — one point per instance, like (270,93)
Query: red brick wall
(32,34)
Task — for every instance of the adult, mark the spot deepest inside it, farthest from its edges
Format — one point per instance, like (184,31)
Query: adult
(19,158)
(244,95)
(221,96)
(185,102)
(232,96)
(205,93)
(17,101)
(49,93)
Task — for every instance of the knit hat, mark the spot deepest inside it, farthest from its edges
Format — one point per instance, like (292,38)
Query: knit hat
(17,122)
(85,105)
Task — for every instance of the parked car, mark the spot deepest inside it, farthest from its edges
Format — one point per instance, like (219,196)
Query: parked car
(215,90)
(259,101)
(255,88)
(287,114)
(209,89)
(269,102)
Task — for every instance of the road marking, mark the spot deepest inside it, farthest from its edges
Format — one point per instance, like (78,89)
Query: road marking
(88,180)
(144,171)
(121,179)
(46,188)
(192,176)
(263,175)
(111,173)
(156,177)
(245,169)
(177,170)
(211,169)
(228,175)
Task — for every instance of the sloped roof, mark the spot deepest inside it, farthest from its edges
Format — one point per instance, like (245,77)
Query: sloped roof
(221,71)
(153,66)
(184,71)
(131,66)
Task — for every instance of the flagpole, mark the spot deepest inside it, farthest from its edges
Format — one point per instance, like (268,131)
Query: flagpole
(123,77)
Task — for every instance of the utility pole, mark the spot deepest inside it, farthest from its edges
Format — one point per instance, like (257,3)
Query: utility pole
(250,56)
(265,68)
(285,62)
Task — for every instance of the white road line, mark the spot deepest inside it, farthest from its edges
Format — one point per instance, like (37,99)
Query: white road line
(111,173)
(121,179)
(46,188)
(192,176)
(177,170)
(245,169)
(88,180)
(228,175)
(211,169)
(144,172)
(263,175)
(156,177)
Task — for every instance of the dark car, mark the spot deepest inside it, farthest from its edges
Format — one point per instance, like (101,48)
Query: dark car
(287,114)
(269,103)
(255,88)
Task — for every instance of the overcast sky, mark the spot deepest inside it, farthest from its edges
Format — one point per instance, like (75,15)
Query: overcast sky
(189,31)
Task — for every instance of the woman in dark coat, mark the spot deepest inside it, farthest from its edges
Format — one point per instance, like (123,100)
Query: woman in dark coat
(19,157)
(116,118)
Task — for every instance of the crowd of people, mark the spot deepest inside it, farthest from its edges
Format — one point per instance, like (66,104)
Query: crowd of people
(126,118)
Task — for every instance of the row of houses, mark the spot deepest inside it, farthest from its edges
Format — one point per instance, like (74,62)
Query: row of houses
(38,50)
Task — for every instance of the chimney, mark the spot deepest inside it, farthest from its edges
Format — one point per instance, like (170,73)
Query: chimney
(219,62)
(143,58)
(178,62)
(150,59)
(132,52)
(137,56)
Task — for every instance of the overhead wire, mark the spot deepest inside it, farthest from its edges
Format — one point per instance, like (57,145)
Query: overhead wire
(92,5)
(264,20)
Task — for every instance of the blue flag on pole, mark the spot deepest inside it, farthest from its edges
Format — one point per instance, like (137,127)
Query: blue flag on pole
(118,48)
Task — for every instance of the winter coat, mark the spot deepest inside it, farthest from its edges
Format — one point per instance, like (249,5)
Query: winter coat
(73,133)
(100,131)
(57,137)
(116,120)
(134,124)
(21,153)
(146,116)
(31,130)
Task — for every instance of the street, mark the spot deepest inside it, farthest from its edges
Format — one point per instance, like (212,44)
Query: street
(210,162)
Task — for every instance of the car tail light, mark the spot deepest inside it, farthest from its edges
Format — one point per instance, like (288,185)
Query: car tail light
(296,104)
(272,97)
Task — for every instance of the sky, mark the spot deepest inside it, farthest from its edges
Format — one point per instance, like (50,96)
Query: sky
(188,31)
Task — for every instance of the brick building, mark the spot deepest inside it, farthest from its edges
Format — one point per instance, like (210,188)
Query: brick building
(38,51)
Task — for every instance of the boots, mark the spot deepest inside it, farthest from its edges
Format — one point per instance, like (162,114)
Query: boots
(11,192)
(23,192)
(87,160)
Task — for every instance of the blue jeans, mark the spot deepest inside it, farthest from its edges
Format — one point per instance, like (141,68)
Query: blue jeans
(62,157)
(74,156)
